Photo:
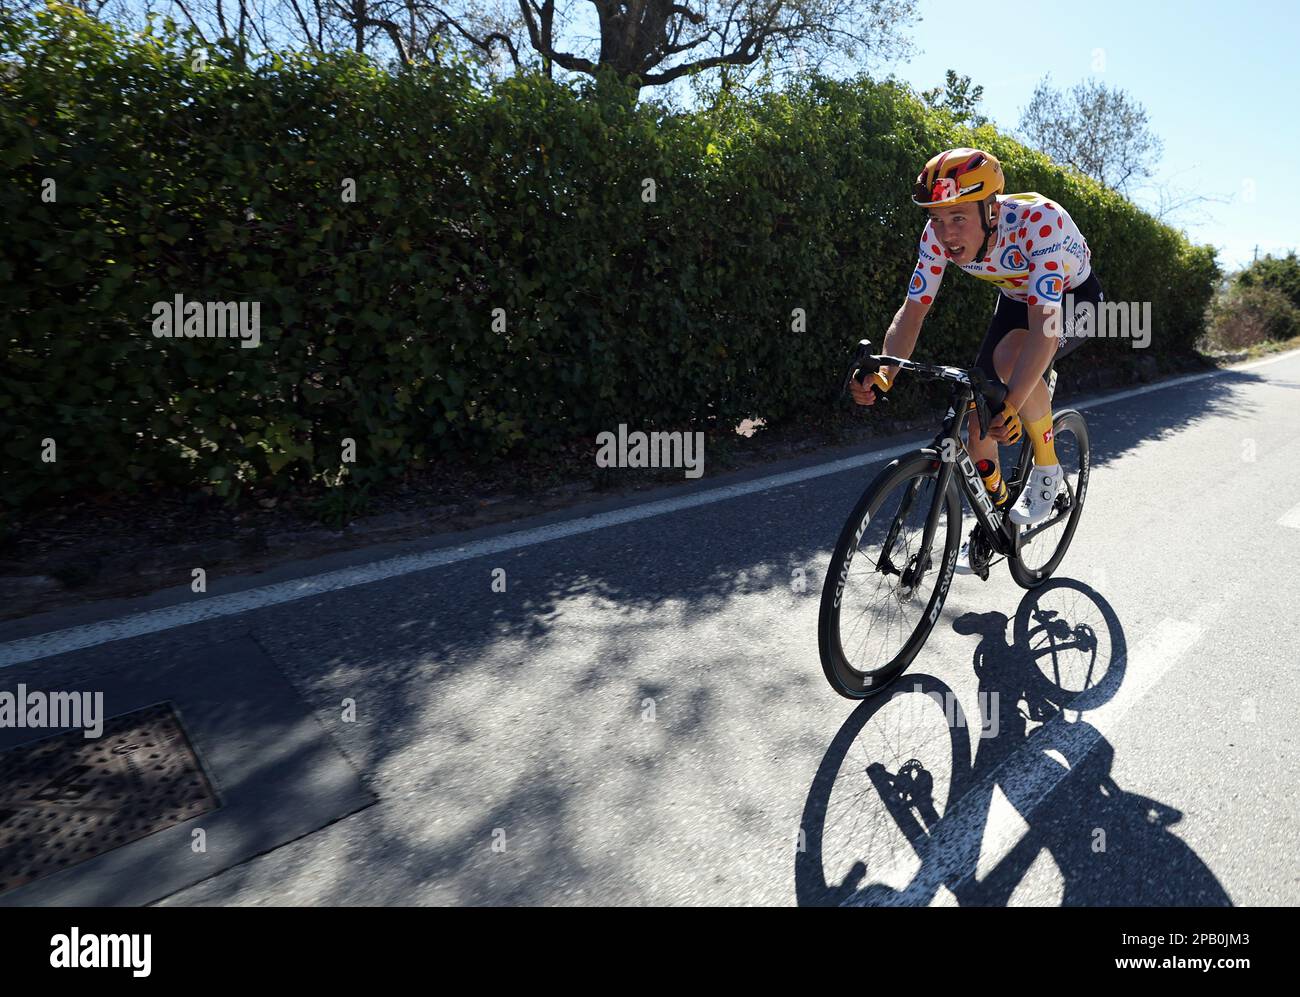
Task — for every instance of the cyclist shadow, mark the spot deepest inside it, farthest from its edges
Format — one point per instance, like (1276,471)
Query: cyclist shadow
(1033,750)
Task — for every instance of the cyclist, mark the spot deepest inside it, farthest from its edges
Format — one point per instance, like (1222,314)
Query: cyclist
(1030,248)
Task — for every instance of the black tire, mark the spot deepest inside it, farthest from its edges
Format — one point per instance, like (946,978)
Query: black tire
(1067,423)
(923,466)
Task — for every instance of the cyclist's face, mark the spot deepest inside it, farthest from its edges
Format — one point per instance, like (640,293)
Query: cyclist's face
(958,228)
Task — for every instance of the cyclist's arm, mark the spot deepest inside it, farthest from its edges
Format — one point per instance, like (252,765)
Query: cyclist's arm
(901,338)
(931,261)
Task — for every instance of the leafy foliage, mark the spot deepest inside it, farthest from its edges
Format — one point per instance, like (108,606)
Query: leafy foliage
(503,282)
(1275,273)
(959,98)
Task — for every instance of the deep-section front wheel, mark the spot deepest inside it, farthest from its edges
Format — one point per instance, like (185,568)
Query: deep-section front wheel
(883,592)
(1040,548)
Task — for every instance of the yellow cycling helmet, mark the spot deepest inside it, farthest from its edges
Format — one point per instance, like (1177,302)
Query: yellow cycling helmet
(957,176)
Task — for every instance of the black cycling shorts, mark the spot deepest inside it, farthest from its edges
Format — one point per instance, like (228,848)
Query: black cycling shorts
(1011,314)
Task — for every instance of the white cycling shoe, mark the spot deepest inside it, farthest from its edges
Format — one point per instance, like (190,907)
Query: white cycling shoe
(1035,502)
(963,565)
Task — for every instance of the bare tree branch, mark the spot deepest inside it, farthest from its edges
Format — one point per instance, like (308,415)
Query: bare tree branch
(644,42)
(1099,131)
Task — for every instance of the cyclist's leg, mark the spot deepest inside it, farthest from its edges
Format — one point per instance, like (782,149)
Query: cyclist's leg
(1009,315)
(1077,328)
(1005,359)
(1038,406)
(1036,412)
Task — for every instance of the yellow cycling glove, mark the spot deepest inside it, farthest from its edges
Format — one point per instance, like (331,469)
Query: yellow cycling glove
(878,380)
(1011,422)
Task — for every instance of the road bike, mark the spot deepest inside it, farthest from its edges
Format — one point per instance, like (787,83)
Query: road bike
(893,563)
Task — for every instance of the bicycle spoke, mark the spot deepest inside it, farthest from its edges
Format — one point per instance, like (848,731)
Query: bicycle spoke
(882,617)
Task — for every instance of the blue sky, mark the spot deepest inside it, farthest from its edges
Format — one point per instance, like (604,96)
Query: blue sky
(1217,80)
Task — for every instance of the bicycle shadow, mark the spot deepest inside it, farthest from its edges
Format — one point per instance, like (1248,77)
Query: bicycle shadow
(920,817)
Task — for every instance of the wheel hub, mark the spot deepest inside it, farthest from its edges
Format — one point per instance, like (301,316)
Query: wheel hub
(912,576)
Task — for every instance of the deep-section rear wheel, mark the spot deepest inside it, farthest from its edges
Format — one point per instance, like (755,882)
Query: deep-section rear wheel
(1040,548)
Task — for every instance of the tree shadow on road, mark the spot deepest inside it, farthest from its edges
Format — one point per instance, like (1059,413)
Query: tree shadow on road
(522,706)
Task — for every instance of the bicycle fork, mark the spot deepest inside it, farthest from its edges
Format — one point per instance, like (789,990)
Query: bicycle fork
(912,574)
(886,562)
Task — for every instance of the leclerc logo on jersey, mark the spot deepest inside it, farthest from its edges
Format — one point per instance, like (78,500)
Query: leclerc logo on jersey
(1013,259)
(1049,286)
(918,283)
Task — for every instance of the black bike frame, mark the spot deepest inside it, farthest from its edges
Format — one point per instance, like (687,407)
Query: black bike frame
(999,530)
(996,526)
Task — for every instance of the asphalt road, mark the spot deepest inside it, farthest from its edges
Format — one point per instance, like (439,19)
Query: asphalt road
(640,716)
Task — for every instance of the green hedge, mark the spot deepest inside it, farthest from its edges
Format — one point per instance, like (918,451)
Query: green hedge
(222,182)
(1274,273)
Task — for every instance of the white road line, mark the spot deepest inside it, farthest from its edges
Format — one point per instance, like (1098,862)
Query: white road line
(975,834)
(1291,519)
(1120,396)
(215,607)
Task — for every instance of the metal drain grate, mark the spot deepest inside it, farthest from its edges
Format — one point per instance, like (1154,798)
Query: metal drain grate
(66,799)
